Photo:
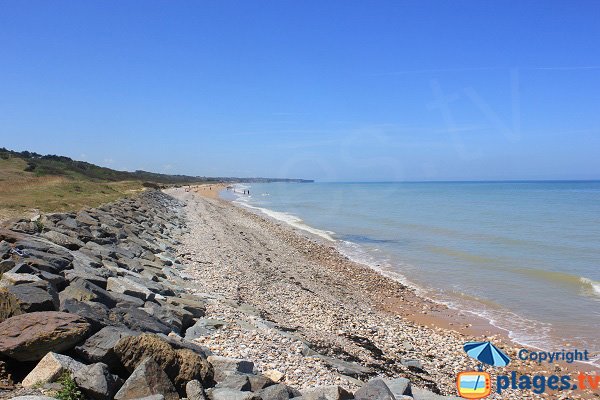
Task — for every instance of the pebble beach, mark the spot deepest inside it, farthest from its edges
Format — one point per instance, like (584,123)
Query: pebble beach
(301,310)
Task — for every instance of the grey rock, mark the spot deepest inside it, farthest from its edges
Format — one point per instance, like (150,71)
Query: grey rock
(204,327)
(28,297)
(375,389)
(277,392)
(230,394)
(63,240)
(127,286)
(240,383)
(99,347)
(326,393)
(399,386)
(147,380)
(194,390)
(345,367)
(33,397)
(413,364)
(97,382)
(424,394)
(95,313)
(225,366)
(138,320)
(83,290)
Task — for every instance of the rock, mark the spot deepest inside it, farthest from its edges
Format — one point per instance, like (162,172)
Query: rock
(414,365)
(194,390)
(196,307)
(29,337)
(83,290)
(230,394)
(94,313)
(204,327)
(173,316)
(88,274)
(50,368)
(26,298)
(326,393)
(99,347)
(6,265)
(225,366)
(399,386)
(138,320)
(11,278)
(345,367)
(424,394)
(277,392)
(63,240)
(181,365)
(274,375)
(258,382)
(375,389)
(146,380)
(32,397)
(127,286)
(240,383)
(97,382)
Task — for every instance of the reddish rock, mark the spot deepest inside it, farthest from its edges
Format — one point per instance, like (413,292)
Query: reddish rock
(28,337)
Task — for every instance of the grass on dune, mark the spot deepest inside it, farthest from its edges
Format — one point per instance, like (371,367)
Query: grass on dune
(22,191)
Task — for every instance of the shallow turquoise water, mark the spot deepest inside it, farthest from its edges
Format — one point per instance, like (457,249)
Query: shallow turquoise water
(524,254)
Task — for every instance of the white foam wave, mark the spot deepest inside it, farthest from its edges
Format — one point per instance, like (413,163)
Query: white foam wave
(594,285)
(290,219)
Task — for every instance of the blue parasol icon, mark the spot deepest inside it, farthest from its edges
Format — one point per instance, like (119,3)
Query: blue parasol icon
(486,353)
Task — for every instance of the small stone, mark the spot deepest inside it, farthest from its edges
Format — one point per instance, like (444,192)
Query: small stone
(274,375)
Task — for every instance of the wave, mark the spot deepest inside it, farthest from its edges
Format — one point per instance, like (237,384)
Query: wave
(290,219)
(587,286)
(595,285)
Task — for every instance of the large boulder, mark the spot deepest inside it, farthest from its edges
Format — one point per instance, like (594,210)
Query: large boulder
(147,379)
(375,389)
(181,365)
(97,382)
(83,290)
(94,313)
(139,320)
(26,298)
(29,337)
(63,240)
(50,368)
(128,286)
(99,347)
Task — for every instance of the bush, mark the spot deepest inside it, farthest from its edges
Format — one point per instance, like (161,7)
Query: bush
(69,389)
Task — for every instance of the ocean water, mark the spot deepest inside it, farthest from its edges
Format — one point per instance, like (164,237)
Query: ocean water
(525,255)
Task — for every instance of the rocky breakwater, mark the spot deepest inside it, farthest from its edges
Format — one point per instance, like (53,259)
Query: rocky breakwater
(98,301)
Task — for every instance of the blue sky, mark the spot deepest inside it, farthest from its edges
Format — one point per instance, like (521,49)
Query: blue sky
(331,90)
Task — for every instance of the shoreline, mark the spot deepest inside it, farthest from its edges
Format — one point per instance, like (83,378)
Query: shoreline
(402,304)
(443,313)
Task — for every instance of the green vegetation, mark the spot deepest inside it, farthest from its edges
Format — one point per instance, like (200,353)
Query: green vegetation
(53,183)
(69,389)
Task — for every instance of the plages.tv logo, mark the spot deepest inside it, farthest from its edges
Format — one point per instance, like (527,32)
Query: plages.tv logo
(478,384)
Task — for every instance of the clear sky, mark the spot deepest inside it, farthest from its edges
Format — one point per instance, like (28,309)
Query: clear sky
(331,90)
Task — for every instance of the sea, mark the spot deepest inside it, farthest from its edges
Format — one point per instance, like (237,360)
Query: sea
(524,255)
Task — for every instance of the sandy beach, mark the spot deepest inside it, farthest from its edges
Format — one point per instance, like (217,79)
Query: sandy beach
(295,305)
